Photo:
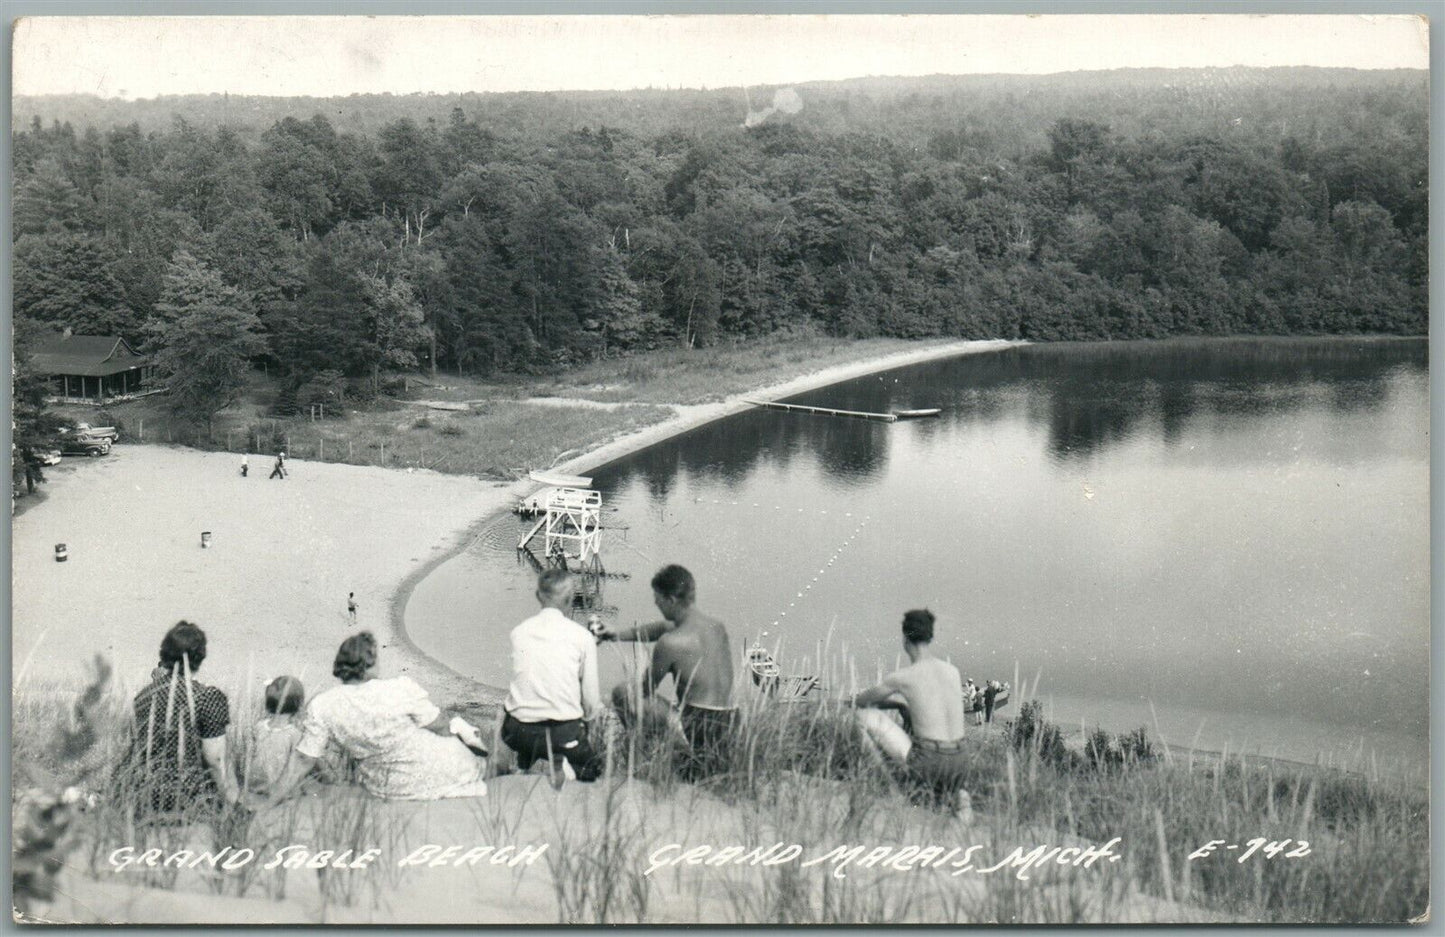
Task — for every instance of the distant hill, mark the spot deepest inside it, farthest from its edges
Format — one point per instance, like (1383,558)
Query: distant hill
(1013,109)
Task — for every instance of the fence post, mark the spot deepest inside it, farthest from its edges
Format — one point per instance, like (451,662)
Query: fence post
(350,452)
(142,430)
(321,450)
(383,453)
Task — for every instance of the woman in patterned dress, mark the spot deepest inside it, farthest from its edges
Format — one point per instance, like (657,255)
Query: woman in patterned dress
(176,765)
(404,746)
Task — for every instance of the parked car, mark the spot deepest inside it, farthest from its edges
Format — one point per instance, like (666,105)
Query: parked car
(72,443)
(99,432)
(49,456)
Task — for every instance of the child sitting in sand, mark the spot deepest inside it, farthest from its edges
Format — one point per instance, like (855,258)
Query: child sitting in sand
(274,738)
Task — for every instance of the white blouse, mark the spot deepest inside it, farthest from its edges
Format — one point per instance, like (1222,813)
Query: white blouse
(379,724)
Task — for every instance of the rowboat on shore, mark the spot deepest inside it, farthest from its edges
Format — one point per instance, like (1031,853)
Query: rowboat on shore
(917,414)
(769,677)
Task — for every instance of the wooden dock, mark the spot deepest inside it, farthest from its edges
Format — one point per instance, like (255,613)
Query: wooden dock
(826,411)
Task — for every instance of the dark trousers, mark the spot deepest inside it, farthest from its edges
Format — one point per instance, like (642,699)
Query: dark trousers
(935,770)
(709,739)
(277,472)
(559,739)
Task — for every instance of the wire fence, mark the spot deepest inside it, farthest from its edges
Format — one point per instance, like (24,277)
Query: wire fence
(270,437)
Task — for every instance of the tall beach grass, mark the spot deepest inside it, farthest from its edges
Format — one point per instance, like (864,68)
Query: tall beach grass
(800,774)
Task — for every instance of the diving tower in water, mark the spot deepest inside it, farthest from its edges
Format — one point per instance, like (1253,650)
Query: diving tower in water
(570,535)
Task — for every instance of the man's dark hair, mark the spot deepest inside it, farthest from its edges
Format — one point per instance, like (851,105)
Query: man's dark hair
(284,696)
(918,625)
(184,640)
(355,657)
(675,582)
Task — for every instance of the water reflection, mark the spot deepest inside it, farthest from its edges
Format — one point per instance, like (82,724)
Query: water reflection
(1092,397)
(1144,523)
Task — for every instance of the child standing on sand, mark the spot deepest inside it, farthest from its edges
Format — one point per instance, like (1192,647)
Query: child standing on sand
(351,606)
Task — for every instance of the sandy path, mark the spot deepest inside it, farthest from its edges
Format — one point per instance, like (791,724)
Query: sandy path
(690,416)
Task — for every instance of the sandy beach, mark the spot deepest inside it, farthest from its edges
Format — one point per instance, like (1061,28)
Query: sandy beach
(271,589)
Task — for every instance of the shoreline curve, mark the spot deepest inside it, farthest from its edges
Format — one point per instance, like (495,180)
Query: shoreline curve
(688,417)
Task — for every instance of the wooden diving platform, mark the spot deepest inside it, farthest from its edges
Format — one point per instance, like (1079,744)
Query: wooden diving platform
(826,411)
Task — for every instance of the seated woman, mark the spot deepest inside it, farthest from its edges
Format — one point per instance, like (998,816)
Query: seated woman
(405,748)
(175,767)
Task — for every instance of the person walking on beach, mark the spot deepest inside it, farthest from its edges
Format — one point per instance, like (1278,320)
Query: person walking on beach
(930,751)
(280,470)
(554,690)
(351,606)
(245,465)
(694,648)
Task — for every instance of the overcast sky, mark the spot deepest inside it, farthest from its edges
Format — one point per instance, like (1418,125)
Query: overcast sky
(139,57)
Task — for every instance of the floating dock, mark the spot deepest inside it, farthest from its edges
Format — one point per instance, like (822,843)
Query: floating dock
(826,411)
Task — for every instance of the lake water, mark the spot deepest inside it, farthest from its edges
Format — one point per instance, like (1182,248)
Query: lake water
(1225,540)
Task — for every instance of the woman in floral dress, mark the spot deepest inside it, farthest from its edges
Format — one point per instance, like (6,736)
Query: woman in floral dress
(404,747)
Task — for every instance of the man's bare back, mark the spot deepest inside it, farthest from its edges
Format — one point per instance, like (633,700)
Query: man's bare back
(932,690)
(699,656)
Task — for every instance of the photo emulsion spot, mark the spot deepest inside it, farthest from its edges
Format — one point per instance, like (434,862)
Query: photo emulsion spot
(933,469)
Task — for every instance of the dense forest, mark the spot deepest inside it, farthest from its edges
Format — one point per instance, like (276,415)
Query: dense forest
(337,239)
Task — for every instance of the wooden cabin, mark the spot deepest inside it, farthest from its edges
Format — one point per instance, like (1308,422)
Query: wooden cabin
(91,368)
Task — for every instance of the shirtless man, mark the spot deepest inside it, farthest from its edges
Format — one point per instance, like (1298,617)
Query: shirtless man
(929,692)
(693,647)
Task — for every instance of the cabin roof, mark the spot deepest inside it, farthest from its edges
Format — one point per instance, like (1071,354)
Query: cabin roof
(84,355)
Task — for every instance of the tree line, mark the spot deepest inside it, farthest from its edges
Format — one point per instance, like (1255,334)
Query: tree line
(514,233)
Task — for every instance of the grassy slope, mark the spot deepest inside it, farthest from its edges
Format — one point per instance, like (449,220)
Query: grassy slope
(800,776)
(501,434)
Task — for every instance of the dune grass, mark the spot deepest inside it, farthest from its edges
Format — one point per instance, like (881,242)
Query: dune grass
(801,774)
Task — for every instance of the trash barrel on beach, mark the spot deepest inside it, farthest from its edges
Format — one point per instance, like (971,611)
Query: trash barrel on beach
(205,540)
(61,553)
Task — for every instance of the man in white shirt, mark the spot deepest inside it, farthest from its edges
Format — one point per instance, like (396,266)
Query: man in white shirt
(554,684)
